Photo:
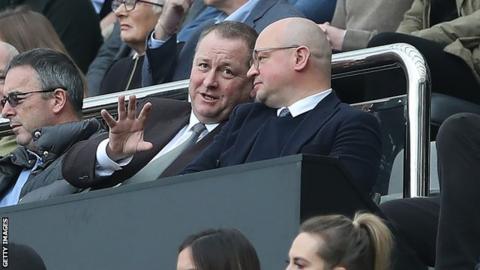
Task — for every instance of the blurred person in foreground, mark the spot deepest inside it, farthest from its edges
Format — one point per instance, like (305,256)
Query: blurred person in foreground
(217,250)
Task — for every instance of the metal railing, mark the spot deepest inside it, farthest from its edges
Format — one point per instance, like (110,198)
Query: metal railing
(417,148)
(416,176)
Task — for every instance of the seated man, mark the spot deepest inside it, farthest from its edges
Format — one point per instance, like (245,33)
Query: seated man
(446,230)
(297,111)
(42,97)
(218,82)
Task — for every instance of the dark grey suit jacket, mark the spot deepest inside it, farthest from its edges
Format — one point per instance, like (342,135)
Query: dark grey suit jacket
(166,119)
(172,61)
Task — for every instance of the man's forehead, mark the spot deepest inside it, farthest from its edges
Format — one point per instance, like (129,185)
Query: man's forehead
(20,78)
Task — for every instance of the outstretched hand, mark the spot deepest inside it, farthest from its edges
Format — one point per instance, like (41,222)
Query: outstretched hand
(126,133)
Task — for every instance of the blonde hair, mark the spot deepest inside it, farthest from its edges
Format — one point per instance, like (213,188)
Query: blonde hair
(364,243)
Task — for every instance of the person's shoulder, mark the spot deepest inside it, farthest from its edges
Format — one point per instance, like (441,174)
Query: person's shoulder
(165,102)
(353,114)
(284,8)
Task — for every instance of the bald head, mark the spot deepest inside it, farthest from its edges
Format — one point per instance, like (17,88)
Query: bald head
(292,60)
(7,52)
(303,32)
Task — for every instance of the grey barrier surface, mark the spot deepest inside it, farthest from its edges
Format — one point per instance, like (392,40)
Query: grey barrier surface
(140,226)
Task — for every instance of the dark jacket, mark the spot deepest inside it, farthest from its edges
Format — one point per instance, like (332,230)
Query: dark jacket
(332,129)
(50,144)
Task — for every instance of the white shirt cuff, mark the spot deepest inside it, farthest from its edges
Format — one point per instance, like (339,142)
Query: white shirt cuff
(155,43)
(105,166)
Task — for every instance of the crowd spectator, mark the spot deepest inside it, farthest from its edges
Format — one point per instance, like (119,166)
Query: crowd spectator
(218,83)
(217,250)
(446,33)
(291,70)
(75,21)
(42,98)
(136,20)
(25,29)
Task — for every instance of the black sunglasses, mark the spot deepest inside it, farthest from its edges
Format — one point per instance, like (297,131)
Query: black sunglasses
(14,98)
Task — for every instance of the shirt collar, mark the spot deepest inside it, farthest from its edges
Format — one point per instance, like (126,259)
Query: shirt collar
(193,120)
(239,15)
(306,104)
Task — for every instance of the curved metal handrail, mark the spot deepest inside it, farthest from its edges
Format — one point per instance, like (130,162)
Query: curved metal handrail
(416,177)
(417,148)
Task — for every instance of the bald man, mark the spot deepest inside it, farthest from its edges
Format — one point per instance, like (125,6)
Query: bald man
(7,52)
(297,111)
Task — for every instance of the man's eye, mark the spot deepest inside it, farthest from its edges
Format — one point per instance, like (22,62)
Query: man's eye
(228,72)
(202,66)
(261,58)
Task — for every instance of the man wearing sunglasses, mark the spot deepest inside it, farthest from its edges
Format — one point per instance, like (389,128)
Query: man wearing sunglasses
(42,98)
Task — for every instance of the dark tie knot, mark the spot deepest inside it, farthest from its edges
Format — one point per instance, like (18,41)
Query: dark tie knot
(284,112)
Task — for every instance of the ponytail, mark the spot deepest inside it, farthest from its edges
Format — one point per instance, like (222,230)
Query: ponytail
(380,238)
(364,243)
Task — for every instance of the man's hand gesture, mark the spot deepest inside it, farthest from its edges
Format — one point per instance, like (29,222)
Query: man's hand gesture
(126,133)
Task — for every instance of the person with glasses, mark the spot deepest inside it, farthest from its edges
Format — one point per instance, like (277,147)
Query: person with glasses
(136,19)
(167,134)
(296,109)
(42,98)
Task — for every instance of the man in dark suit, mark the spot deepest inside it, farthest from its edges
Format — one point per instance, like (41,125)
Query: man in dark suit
(218,82)
(168,60)
(297,111)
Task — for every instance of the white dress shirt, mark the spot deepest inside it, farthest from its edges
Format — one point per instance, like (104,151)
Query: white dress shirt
(305,104)
(106,166)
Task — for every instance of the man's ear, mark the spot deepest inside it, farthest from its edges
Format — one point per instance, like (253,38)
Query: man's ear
(302,56)
(59,100)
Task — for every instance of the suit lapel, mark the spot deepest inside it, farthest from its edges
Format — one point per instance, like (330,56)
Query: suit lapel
(162,126)
(187,156)
(313,122)
(249,132)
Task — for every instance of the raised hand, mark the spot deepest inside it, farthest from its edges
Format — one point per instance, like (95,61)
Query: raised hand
(172,16)
(126,133)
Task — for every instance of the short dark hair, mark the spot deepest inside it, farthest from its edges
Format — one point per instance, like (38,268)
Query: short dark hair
(233,30)
(221,249)
(55,70)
